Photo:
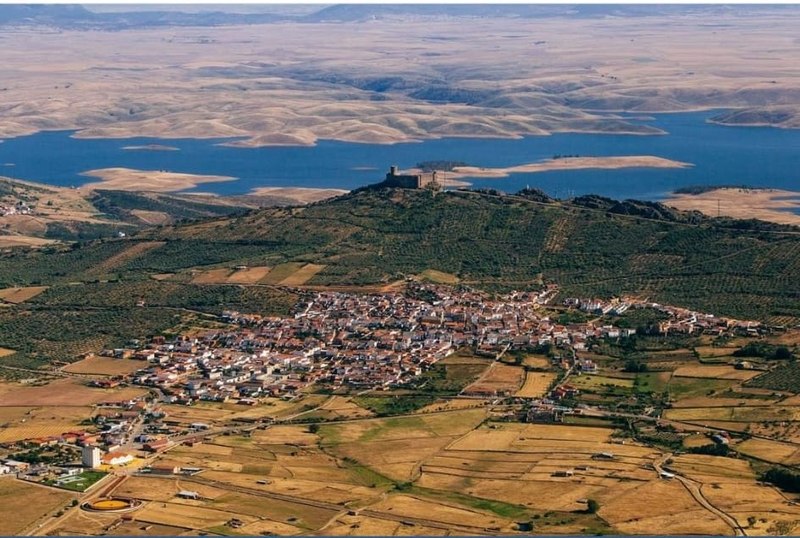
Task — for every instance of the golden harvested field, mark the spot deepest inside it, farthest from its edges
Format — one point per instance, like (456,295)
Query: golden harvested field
(715,372)
(6,352)
(281,272)
(347,525)
(536,361)
(703,467)
(83,523)
(161,489)
(413,427)
(188,517)
(551,431)
(423,508)
(333,488)
(251,275)
(341,406)
(452,404)
(643,509)
(212,276)
(22,504)
(285,435)
(20,295)
(399,459)
(63,392)
(17,423)
(96,364)
(208,412)
(536,384)
(760,413)
(499,378)
(714,401)
(302,275)
(772,451)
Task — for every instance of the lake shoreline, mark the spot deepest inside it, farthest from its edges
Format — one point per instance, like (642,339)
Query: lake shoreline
(773,205)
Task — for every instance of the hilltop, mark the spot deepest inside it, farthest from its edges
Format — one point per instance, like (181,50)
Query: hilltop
(589,246)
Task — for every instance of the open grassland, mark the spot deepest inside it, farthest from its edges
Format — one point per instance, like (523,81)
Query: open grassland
(20,295)
(64,393)
(22,504)
(426,509)
(520,463)
(28,422)
(302,275)
(688,387)
(95,364)
(536,384)
(536,361)
(730,485)
(640,509)
(735,414)
(212,276)
(766,204)
(249,275)
(599,382)
(714,351)
(499,378)
(396,446)
(771,451)
(439,277)
(715,372)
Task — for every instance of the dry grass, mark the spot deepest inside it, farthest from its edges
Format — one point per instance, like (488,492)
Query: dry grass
(569,163)
(439,277)
(765,204)
(771,451)
(406,505)
(17,423)
(251,275)
(95,364)
(536,361)
(130,253)
(715,372)
(63,392)
(714,351)
(302,275)
(9,241)
(536,384)
(6,352)
(21,504)
(20,295)
(498,378)
(301,195)
(212,276)
(147,180)
(642,509)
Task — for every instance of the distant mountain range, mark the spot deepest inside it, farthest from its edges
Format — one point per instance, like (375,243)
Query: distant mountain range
(78,17)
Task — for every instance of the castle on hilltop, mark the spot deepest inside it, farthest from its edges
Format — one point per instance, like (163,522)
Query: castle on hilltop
(423,180)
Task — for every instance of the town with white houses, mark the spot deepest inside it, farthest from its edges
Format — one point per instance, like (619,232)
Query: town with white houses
(341,342)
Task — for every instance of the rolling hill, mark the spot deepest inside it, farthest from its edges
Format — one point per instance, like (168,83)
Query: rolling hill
(589,246)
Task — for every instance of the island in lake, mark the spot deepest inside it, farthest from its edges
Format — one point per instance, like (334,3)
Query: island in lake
(151,147)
